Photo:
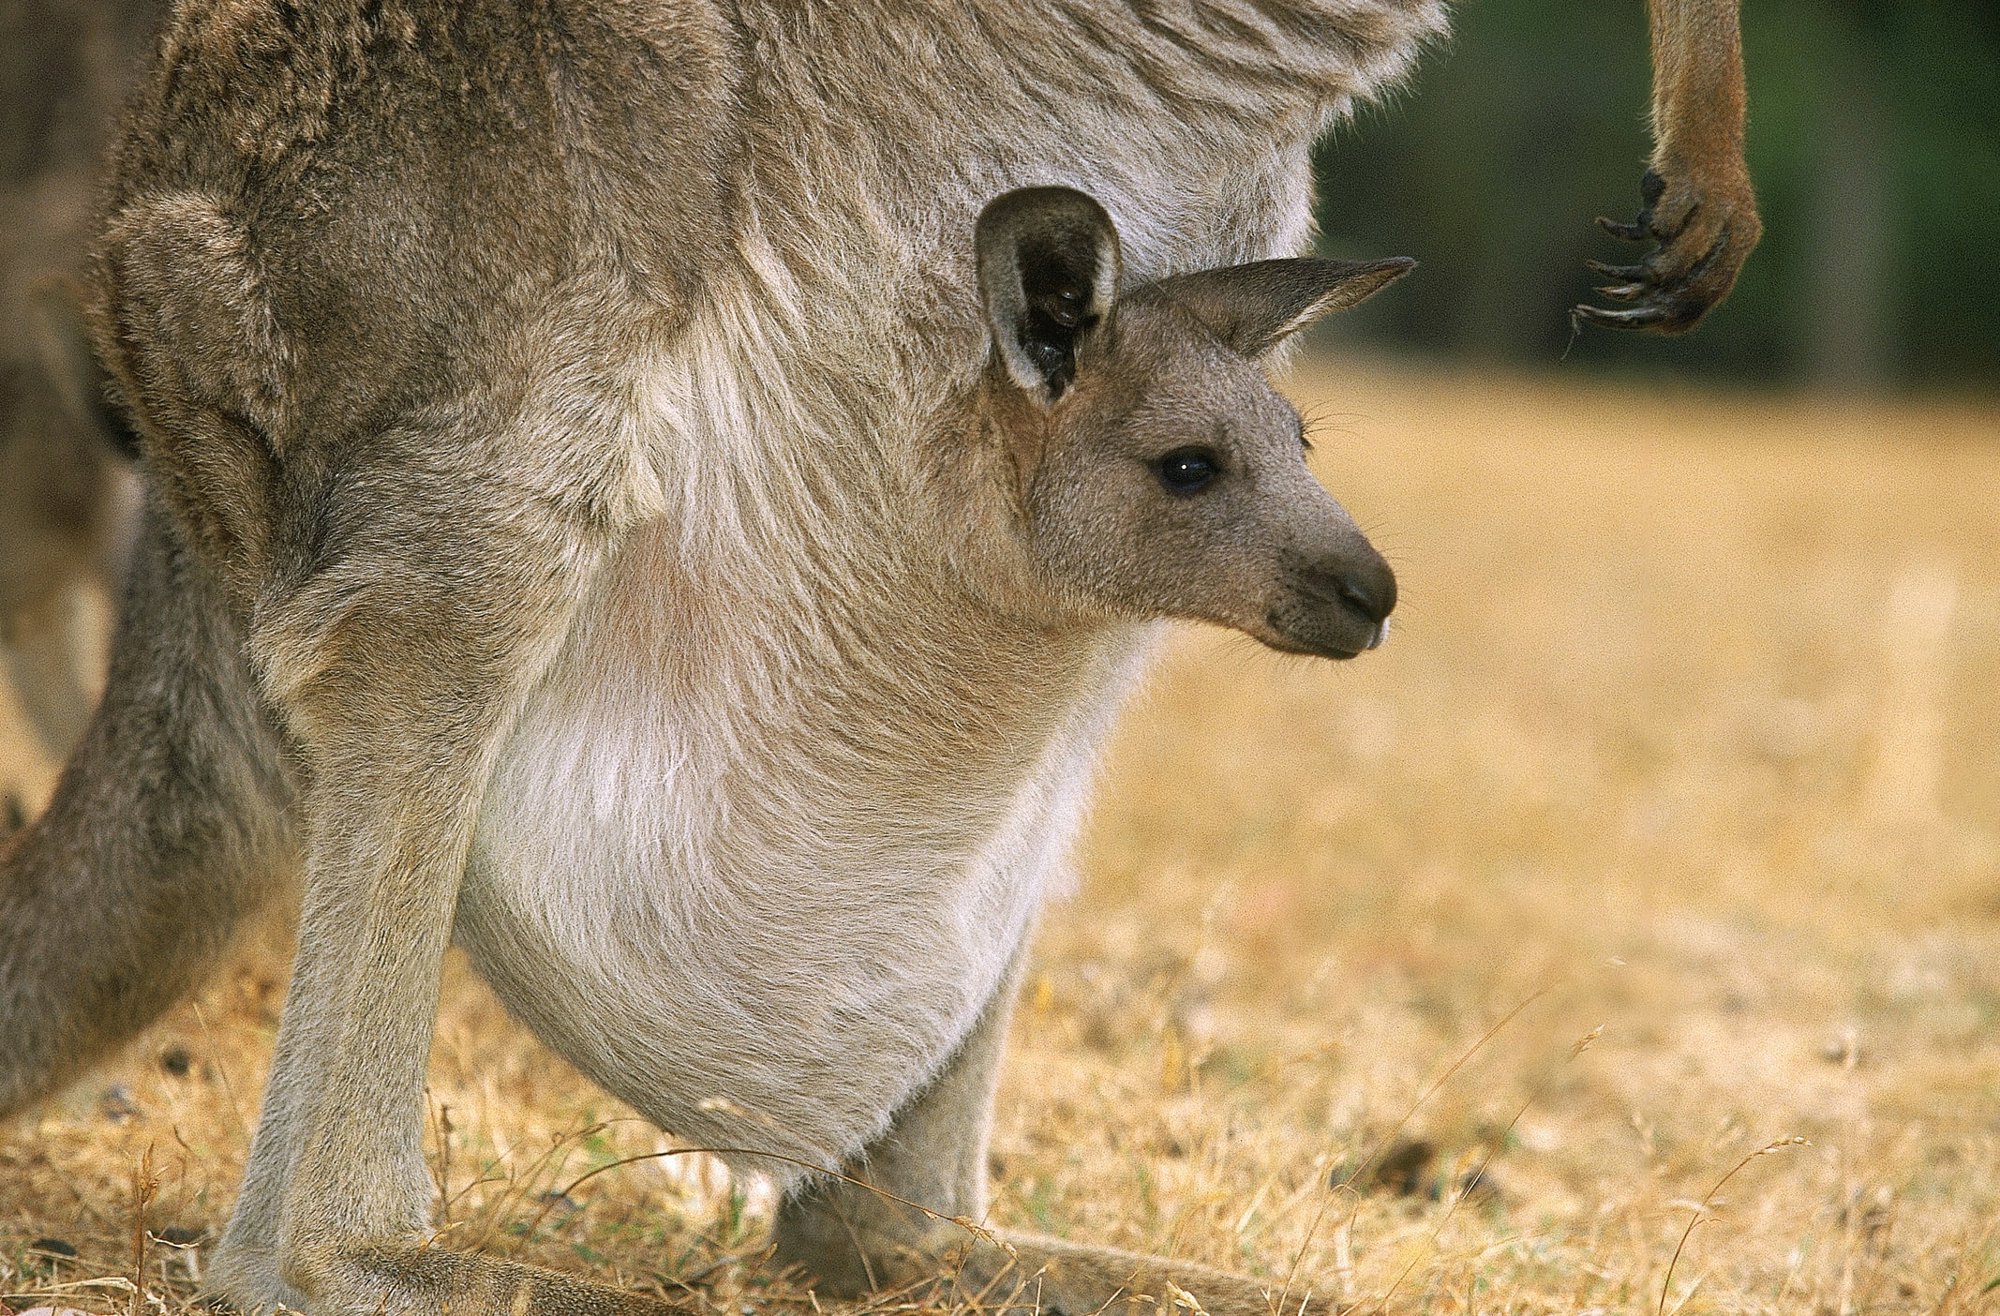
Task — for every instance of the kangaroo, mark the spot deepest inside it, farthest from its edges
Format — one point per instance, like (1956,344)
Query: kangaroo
(68,496)
(874,745)
(585,519)
(68,511)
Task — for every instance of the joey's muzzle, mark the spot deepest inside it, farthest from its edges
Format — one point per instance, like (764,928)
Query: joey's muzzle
(1336,605)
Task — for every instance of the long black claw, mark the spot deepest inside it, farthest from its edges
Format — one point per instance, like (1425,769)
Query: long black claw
(1633,232)
(1627,273)
(1624,292)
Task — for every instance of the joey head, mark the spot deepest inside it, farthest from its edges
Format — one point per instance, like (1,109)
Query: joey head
(1155,471)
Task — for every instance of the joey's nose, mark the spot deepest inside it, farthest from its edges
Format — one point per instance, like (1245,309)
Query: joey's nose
(1367,589)
(1346,601)
(1338,606)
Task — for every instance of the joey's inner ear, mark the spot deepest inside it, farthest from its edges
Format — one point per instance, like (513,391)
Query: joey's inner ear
(1048,274)
(1255,307)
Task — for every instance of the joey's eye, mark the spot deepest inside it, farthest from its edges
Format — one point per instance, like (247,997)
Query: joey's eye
(1188,470)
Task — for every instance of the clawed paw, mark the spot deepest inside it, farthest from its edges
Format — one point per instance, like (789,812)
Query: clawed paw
(1704,236)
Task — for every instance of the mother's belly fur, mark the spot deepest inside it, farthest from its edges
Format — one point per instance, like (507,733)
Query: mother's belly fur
(737,989)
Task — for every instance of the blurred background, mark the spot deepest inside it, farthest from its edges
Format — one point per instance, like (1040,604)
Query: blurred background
(1874,143)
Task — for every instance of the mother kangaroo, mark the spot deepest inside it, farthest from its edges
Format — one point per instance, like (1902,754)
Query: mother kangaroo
(604,505)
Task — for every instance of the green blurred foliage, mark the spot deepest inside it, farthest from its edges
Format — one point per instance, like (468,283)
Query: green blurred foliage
(1874,143)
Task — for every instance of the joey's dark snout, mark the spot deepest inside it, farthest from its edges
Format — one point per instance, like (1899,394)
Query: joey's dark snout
(1365,587)
(1340,603)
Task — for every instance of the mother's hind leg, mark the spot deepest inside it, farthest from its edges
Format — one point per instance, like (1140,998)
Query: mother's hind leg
(917,1217)
(398,660)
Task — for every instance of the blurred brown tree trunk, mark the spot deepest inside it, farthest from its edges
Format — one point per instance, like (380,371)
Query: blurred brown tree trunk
(1845,323)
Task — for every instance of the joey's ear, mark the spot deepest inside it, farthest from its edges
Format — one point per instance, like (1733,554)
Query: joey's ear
(1048,274)
(1255,307)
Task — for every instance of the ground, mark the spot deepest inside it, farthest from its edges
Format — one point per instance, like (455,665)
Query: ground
(1664,831)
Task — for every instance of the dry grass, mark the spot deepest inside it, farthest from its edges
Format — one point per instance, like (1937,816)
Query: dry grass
(1688,738)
